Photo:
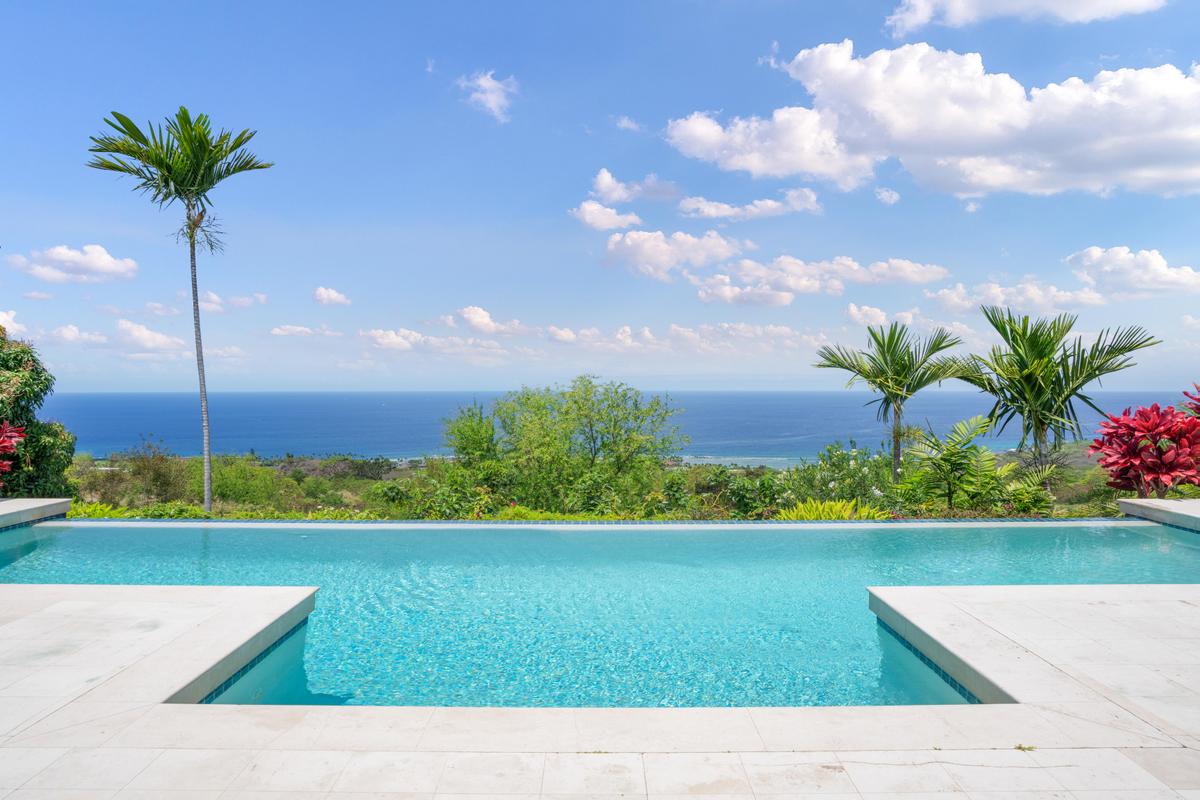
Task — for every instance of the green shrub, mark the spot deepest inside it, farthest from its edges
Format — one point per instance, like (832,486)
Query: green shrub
(832,510)
(43,458)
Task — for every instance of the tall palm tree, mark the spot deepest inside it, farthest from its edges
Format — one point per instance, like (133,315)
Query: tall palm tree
(1038,373)
(897,365)
(181,162)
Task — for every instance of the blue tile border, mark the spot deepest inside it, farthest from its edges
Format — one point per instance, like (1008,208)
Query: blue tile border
(458,523)
(254,662)
(963,691)
(28,523)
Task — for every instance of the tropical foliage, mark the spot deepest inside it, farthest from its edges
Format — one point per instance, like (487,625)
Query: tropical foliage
(42,456)
(1039,373)
(1151,450)
(896,365)
(833,510)
(181,161)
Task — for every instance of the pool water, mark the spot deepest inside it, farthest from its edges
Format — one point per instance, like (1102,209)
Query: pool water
(607,616)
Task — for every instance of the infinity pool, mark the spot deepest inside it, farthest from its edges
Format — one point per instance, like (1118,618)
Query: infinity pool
(698,615)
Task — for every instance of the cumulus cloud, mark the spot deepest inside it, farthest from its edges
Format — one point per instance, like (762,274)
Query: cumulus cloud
(628,124)
(655,254)
(561,334)
(1189,321)
(607,189)
(63,264)
(212,302)
(959,128)
(794,141)
(230,353)
(1028,294)
(1121,270)
(71,334)
(480,319)
(144,338)
(866,315)
(490,95)
(161,310)
(913,14)
(777,282)
(303,330)
(472,349)
(8,321)
(330,297)
(889,197)
(793,200)
(601,217)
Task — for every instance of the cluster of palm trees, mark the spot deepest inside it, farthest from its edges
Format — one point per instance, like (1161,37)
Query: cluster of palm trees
(1035,375)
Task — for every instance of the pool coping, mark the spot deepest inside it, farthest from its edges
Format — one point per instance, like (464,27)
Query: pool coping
(676,525)
(1038,716)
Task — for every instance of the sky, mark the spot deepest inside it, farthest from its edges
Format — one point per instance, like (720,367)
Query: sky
(682,195)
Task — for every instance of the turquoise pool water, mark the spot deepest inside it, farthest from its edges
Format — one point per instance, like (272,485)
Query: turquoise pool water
(616,616)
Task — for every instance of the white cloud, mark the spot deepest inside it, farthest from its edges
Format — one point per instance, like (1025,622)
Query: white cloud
(561,334)
(160,310)
(491,95)
(628,124)
(1028,294)
(144,338)
(794,141)
(722,289)
(971,206)
(603,218)
(793,200)
(38,296)
(212,302)
(245,301)
(1124,271)
(230,353)
(474,350)
(480,319)
(8,321)
(330,297)
(776,282)
(303,330)
(1189,321)
(889,197)
(961,129)
(866,315)
(63,264)
(71,334)
(913,14)
(608,189)
(655,254)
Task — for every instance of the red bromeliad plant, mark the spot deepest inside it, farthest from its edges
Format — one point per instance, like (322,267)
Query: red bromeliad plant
(10,436)
(1150,450)
(1192,406)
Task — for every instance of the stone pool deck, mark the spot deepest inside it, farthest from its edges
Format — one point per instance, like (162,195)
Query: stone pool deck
(1180,513)
(1107,679)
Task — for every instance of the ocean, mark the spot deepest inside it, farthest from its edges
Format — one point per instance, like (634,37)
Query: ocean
(768,428)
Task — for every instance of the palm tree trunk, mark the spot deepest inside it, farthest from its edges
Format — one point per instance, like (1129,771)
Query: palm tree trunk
(207,442)
(897,435)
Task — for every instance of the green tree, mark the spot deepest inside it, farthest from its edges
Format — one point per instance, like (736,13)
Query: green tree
(1038,373)
(182,162)
(583,447)
(45,454)
(944,464)
(896,365)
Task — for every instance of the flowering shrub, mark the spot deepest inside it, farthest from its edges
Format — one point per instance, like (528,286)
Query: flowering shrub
(1150,450)
(10,436)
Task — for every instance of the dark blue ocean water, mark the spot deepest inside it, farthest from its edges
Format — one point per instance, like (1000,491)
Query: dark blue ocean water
(773,428)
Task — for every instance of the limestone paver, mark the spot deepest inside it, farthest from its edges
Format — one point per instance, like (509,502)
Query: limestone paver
(1108,707)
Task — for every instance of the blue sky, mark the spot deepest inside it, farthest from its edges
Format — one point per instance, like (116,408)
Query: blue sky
(678,194)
